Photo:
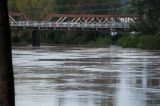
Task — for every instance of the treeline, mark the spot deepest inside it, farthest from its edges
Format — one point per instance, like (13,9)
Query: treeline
(88,6)
(38,9)
(93,38)
(149,16)
(34,9)
(147,25)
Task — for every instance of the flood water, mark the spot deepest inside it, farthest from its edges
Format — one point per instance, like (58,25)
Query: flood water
(83,76)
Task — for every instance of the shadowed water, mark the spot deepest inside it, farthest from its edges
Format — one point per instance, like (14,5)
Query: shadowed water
(82,76)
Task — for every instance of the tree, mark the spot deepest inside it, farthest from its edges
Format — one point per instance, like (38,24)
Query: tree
(6,71)
(149,12)
(34,9)
(88,7)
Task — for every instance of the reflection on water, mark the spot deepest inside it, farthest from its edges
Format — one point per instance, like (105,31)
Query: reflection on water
(81,76)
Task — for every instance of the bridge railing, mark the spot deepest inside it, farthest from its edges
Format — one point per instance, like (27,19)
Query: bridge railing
(41,24)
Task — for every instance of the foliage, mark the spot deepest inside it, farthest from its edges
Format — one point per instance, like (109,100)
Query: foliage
(102,41)
(75,37)
(149,42)
(34,9)
(87,7)
(129,41)
(149,15)
(143,42)
(38,9)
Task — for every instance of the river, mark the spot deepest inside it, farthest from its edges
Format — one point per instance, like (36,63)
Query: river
(86,76)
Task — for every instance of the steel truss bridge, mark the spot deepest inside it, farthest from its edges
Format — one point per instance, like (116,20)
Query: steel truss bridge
(73,22)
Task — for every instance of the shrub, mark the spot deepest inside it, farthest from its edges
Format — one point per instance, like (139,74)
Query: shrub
(149,42)
(129,41)
(102,41)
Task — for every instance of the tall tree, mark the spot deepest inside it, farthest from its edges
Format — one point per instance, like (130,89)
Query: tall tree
(88,6)
(149,12)
(6,71)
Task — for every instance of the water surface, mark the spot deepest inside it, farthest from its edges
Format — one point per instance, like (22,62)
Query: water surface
(83,76)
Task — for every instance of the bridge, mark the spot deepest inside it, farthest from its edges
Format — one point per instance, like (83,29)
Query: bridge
(73,22)
(86,22)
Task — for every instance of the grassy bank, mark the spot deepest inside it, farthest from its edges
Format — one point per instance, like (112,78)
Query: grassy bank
(151,42)
(91,38)
(66,37)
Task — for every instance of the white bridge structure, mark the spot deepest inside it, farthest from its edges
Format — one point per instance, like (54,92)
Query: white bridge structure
(73,22)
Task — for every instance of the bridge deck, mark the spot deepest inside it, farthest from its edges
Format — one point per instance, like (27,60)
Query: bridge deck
(65,25)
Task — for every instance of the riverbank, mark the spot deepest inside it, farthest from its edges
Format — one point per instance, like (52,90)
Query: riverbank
(150,42)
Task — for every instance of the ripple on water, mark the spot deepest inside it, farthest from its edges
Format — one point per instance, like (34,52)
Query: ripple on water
(83,76)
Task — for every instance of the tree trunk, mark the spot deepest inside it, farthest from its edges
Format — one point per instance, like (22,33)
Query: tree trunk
(6,71)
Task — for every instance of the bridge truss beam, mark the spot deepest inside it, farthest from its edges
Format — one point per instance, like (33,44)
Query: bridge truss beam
(13,17)
(75,21)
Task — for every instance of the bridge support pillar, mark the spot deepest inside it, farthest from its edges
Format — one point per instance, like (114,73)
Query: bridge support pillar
(36,38)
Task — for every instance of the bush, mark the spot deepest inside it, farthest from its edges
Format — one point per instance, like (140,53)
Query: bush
(102,41)
(129,41)
(143,42)
(149,42)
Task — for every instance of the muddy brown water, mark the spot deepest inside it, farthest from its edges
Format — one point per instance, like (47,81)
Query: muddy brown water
(83,76)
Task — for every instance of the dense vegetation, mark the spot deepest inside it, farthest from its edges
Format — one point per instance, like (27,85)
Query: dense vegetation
(38,9)
(148,23)
(149,16)
(137,41)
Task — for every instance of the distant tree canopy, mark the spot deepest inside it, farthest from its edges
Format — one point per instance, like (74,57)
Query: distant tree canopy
(149,12)
(89,6)
(35,9)
(38,9)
